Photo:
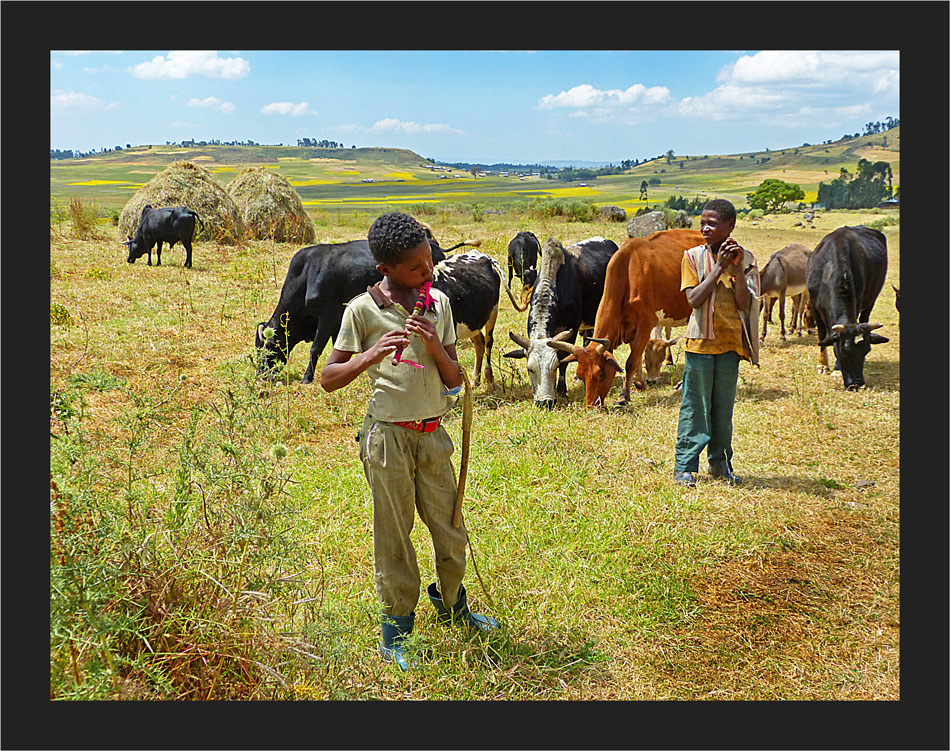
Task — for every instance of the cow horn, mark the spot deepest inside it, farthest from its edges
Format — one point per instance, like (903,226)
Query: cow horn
(871,326)
(563,336)
(564,347)
(838,328)
(604,342)
(519,340)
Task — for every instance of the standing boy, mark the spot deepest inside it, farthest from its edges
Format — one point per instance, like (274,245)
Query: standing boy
(406,452)
(721,281)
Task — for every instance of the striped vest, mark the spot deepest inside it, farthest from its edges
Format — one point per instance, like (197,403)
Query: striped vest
(700,324)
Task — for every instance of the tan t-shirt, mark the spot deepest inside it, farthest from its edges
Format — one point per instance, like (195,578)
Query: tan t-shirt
(401,393)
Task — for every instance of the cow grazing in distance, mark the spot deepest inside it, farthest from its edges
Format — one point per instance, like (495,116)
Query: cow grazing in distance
(845,274)
(656,354)
(523,252)
(322,279)
(784,276)
(174,224)
(642,287)
(563,301)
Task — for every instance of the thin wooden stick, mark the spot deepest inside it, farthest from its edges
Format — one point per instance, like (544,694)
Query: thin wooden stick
(466,442)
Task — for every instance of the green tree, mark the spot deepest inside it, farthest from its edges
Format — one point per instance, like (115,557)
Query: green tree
(669,156)
(866,189)
(643,190)
(772,194)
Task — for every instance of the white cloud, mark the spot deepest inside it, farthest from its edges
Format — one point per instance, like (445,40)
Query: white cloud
(821,67)
(288,108)
(391,124)
(212,102)
(771,87)
(795,87)
(394,125)
(191,63)
(74,100)
(586,96)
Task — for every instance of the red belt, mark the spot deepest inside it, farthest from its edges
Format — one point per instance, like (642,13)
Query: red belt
(422,426)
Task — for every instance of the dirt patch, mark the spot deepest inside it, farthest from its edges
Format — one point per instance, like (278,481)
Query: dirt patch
(787,624)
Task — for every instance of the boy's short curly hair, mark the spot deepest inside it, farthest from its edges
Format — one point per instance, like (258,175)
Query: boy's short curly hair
(392,234)
(726,211)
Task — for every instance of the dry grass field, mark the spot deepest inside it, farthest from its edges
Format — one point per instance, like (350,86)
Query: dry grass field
(211,532)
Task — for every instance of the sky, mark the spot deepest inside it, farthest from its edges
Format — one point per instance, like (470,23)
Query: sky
(476,106)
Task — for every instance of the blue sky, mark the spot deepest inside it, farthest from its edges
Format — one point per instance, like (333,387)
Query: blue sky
(476,105)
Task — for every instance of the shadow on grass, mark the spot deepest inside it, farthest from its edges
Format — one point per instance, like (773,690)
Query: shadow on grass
(781,482)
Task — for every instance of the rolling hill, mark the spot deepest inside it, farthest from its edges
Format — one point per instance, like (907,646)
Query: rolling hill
(368,178)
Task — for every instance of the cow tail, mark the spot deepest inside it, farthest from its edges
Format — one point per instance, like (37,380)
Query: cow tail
(501,277)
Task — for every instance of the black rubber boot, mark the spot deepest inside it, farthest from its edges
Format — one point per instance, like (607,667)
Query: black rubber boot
(459,612)
(395,630)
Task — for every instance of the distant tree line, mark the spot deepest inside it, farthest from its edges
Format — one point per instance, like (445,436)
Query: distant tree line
(586,173)
(324,144)
(692,206)
(871,185)
(498,167)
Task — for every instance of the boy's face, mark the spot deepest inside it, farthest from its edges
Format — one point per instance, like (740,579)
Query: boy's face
(714,229)
(414,269)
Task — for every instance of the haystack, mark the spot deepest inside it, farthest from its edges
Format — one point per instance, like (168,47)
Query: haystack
(270,207)
(187,184)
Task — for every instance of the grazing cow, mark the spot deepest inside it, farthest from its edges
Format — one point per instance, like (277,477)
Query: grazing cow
(784,276)
(845,274)
(642,287)
(564,301)
(174,224)
(656,354)
(322,279)
(523,252)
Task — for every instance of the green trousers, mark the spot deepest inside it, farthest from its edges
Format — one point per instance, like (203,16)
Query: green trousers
(705,420)
(409,471)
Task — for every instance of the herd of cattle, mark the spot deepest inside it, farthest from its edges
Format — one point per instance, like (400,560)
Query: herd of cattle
(612,295)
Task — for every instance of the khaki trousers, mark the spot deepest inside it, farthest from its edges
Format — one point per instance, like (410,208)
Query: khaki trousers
(408,470)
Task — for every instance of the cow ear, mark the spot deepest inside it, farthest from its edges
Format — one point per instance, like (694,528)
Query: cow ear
(877,339)
(828,340)
(515,354)
(615,364)
(569,359)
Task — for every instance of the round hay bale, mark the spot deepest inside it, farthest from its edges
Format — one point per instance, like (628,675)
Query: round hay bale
(270,207)
(187,184)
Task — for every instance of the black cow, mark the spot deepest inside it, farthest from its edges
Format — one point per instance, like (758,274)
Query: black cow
(523,252)
(320,281)
(174,224)
(564,300)
(845,274)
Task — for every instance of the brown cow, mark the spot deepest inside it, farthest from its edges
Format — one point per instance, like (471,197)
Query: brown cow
(642,287)
(657,353)
(784,276)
